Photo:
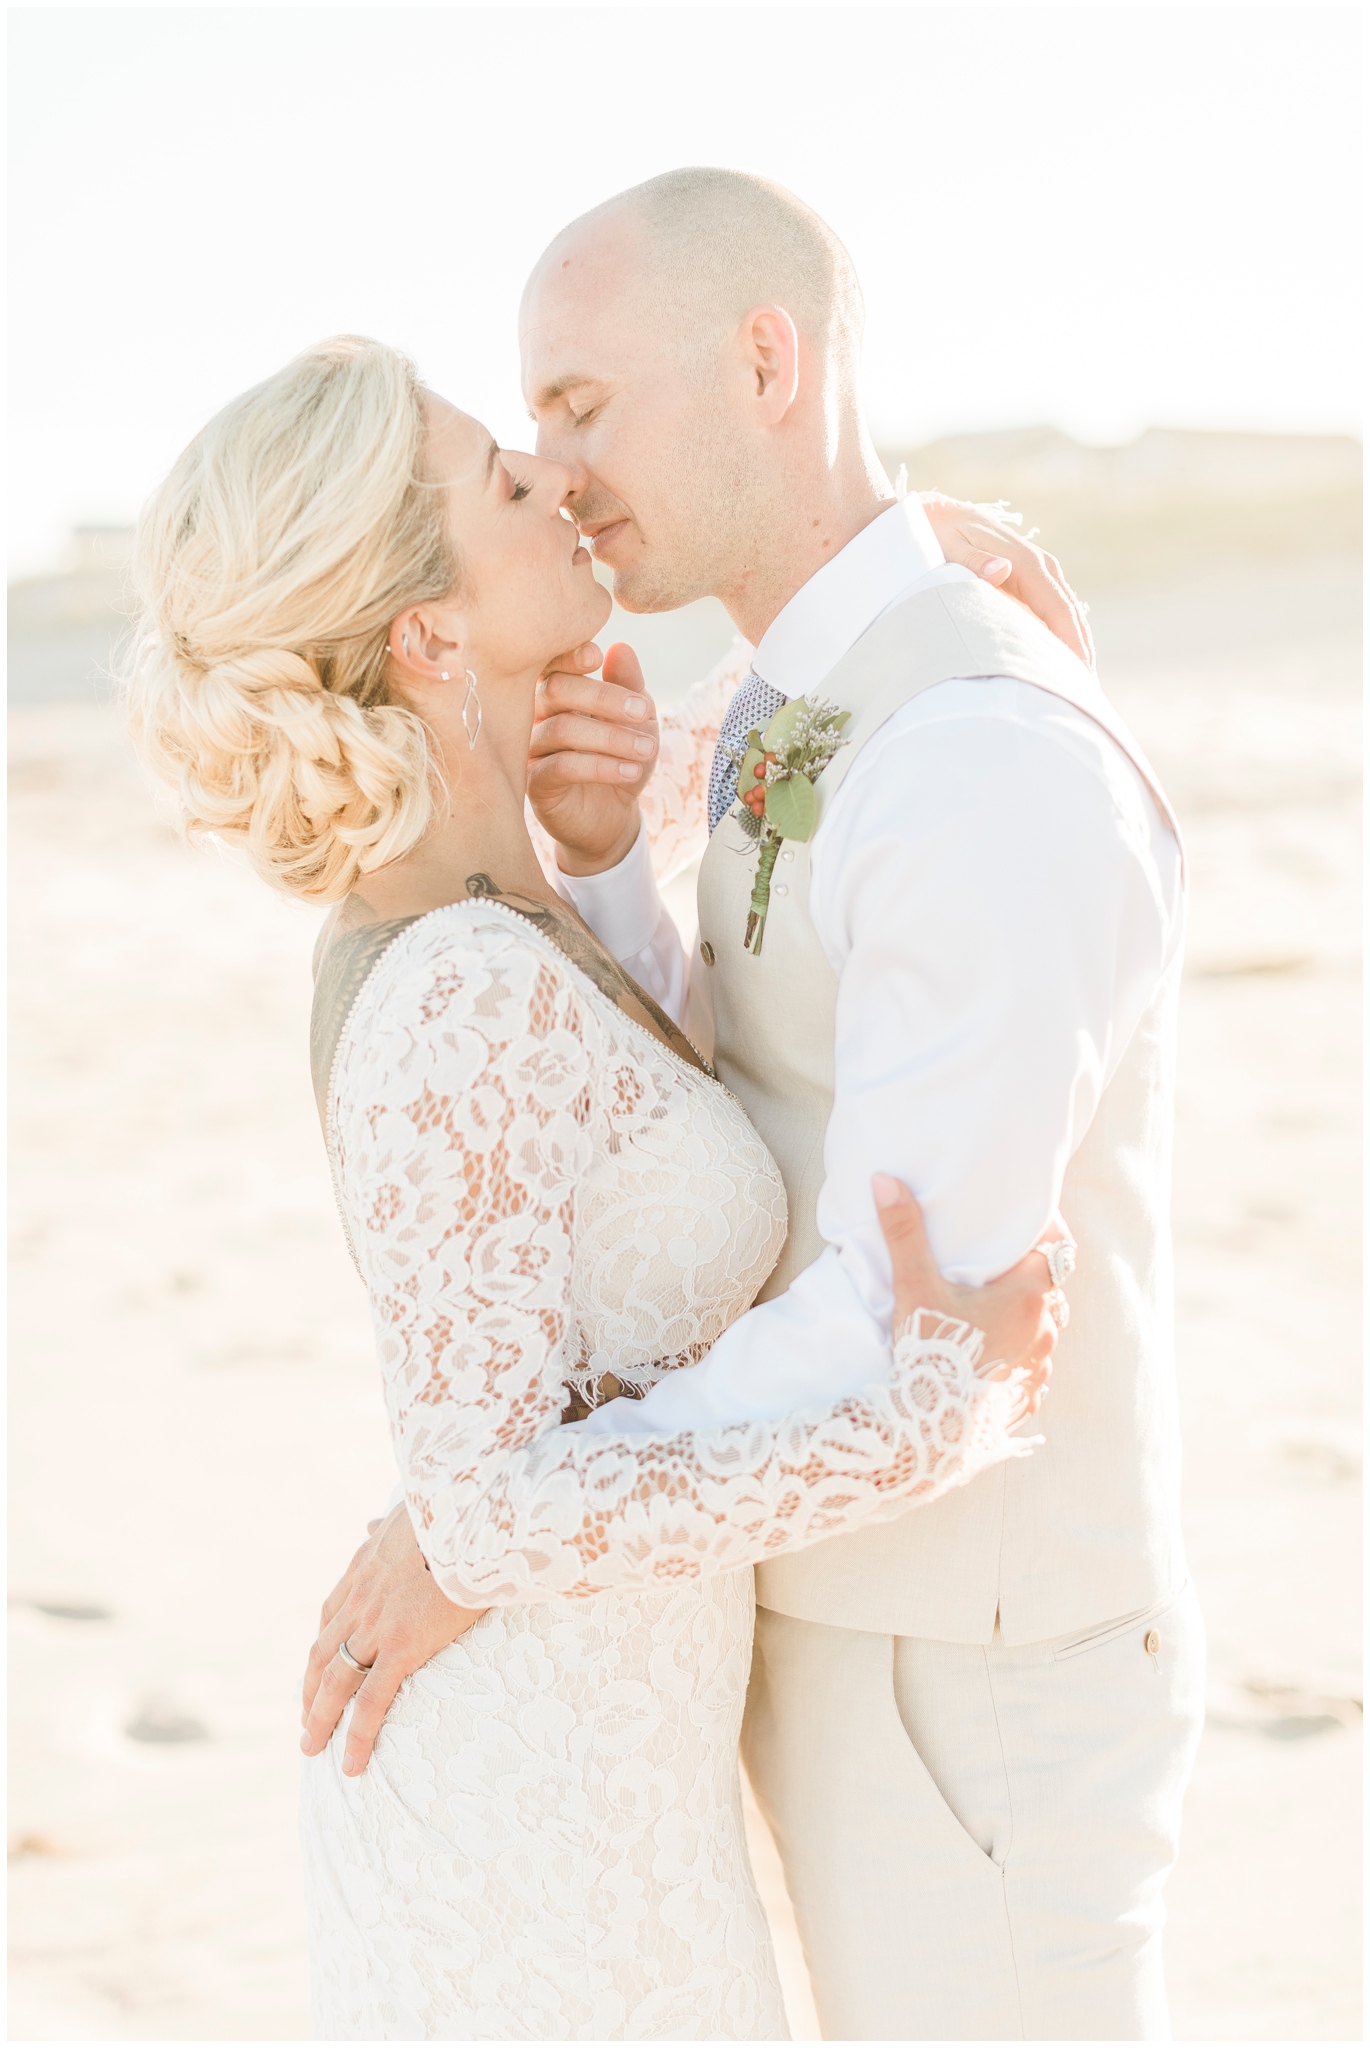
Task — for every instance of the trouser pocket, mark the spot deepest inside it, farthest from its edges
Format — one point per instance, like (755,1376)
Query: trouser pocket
(902,1914)
(1147,1618)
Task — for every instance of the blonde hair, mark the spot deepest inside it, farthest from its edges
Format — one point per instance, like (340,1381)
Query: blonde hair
(269,567)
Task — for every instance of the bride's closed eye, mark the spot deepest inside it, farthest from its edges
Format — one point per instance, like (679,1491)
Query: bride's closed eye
(520,490)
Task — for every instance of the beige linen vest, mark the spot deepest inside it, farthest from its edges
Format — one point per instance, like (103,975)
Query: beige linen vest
(1088,1527)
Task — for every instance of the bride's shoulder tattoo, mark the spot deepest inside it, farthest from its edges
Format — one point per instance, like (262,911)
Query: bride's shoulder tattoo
(598,966)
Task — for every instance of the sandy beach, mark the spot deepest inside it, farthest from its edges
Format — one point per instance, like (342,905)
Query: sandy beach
(197,1436)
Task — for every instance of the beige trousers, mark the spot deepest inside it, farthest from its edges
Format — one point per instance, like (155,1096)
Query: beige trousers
(975,1838)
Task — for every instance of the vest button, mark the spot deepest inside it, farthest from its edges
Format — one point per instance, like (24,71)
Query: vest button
(782,889)
(787,853)
(1153,1641)
(706,952)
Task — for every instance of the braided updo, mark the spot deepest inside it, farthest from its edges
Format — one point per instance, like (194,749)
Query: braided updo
(268,569)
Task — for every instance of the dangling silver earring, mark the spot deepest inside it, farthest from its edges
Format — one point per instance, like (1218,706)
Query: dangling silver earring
(472,697)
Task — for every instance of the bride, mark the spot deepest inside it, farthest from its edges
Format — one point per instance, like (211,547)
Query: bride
(349,595)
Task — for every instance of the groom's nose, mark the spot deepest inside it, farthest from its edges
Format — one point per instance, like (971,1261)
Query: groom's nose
(577,481)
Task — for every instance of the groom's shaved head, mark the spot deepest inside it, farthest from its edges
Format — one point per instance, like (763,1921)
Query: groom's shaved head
(690,353)
(700,248)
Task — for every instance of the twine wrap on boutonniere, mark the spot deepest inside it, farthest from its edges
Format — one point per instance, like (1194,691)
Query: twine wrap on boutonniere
(775,779)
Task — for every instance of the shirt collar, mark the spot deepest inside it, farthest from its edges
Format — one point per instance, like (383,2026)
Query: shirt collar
(808,638)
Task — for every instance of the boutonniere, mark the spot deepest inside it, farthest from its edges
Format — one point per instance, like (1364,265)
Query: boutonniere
(775,780)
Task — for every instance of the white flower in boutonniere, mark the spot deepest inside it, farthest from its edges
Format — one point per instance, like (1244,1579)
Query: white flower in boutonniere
(775,780)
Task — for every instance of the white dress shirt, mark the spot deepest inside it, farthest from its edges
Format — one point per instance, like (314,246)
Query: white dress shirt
(998,894)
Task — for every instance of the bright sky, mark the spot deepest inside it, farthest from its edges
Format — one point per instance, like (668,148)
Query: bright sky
(1101,217)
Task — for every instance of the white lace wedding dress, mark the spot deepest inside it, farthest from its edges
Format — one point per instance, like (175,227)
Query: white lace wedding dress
(547,1844)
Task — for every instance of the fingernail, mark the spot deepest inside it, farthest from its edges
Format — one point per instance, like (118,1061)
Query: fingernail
(588,655)
(349,1766)
(635,707)
(644,745)
(304,1744)
(629,770)
(886,1190)
(997,567)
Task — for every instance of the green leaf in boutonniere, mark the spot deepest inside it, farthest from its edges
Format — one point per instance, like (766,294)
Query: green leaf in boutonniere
(775,787)
(780,731)
(792,807)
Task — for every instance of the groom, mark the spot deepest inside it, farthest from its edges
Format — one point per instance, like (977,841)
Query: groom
(970,1729)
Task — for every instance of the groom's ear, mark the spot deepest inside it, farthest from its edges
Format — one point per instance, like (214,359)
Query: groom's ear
(770,351)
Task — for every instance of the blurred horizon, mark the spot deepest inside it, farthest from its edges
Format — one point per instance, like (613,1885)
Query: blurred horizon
(1098,218)
(1172,504)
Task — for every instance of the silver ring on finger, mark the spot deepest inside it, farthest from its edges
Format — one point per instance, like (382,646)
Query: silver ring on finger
(349,1659)
(1061,1260)
(1058,1308)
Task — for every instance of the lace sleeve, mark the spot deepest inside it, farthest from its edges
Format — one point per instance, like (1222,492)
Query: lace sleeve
(577,1515)
(469,1102)
(461,1099)
(675,803)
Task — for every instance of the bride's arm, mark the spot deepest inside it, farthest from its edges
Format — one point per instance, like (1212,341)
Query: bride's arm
(390,1607)
(576,1515)
(465,1134)
(986,538)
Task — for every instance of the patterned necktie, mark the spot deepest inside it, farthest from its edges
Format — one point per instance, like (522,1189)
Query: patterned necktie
(754,704)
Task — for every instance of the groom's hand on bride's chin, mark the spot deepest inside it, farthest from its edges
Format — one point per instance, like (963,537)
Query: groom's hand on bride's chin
(593,750)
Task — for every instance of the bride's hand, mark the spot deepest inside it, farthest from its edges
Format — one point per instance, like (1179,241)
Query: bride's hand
(973,537)
(388,1610)
(1013,1311)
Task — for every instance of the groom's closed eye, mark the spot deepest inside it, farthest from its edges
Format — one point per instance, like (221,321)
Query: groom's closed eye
(582,396)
